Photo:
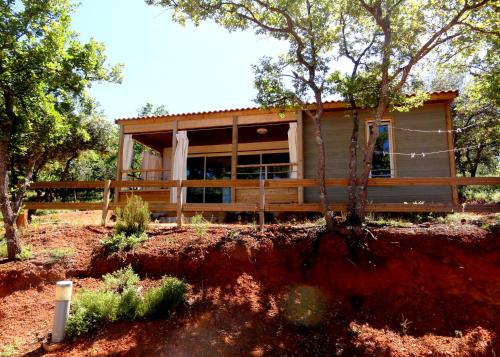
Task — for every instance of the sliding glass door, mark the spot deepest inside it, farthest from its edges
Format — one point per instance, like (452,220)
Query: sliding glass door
(209,168)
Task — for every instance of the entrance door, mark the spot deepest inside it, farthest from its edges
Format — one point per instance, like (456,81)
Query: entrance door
(209,168)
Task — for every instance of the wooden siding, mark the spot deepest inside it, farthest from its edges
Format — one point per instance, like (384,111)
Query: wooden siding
(337,128)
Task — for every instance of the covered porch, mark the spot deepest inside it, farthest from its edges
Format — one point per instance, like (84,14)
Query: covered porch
(212,147)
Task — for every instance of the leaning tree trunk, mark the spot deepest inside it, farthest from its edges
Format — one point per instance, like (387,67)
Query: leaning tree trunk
(352,187)
(9,215)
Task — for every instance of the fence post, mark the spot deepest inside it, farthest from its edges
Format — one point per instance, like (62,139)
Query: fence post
(179,203)
(105,202)
(262,203)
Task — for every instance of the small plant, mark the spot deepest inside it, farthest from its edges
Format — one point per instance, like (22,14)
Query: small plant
(26,253)
(120,300)
(59,253)
(91,309)
(121,280)
(134,219)
(121,241)
(131,225)
(9,350)
(404,325)
(200,225)
(3,249)
(162,299)
(233,234)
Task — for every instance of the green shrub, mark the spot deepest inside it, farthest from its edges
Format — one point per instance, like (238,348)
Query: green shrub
(59,253)
(122,241)
(91,309)
(129,306)
(121,280)
(3,249)
(26,253)
(200,225)
(162,299)
(10,349)
(486,194)
(120,300)
(134,219)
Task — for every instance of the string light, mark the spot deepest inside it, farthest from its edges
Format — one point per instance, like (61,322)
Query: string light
(424,154)
(438,131)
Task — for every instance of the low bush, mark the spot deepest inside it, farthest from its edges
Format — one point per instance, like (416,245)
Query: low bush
(120,300)
(131,225)
(162,299)
(121,280)
(59,253)
(134,219)
(122,241)
(26,253)
(91,309)
(3,249)
(200,225)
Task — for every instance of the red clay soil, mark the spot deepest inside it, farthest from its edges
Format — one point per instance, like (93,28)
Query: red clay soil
(289,291)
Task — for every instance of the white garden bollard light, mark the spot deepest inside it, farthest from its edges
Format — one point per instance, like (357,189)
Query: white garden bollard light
(64,290)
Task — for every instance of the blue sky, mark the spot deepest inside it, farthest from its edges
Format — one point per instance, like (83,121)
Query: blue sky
(185,68)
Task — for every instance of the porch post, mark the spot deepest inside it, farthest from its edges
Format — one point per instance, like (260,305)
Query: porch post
(234,157)
(300,155)
(119,165)
(175,126)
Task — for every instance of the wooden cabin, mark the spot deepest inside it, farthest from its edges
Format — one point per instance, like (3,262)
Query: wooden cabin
(267,144)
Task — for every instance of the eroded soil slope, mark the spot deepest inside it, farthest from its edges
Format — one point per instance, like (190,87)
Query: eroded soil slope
(291,290)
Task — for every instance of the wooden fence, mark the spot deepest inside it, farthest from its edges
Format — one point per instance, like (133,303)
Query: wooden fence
(261,206)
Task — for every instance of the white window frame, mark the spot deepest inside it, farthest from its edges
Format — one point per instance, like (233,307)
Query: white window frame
(389,123)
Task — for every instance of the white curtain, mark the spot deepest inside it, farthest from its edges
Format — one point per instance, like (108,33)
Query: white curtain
(128,153)
(179,166)
(151,161)
(292,148)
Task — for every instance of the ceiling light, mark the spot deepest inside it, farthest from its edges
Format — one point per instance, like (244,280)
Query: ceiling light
(262,131)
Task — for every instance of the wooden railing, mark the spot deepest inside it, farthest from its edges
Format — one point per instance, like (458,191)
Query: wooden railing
(262,206)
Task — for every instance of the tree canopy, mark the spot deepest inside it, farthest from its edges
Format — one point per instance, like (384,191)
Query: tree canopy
(44,73)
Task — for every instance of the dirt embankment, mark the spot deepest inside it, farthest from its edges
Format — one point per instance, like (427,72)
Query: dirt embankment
(415,291)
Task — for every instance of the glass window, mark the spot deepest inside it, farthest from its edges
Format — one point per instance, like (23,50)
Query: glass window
(273,172)
(209,168)
(249,173)
(381,163)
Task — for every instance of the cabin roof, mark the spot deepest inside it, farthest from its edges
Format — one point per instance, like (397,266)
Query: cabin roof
(447,95)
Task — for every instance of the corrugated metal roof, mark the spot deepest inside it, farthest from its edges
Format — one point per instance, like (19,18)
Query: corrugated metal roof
(245,109)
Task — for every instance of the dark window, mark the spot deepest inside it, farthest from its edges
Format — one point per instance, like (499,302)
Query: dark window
(381,163)
(209,168)
(258,171)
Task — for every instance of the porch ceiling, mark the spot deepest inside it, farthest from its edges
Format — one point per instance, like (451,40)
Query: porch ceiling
(216,136)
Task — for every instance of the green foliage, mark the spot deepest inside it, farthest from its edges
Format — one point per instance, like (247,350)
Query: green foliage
(162,299)
(26,253)
(120,300)
(59,253)
(134,218)
(200,225)
(45,74)
(9,350)
(3,249)
(121,280)
(131,225)
(122,241)
(91,309)
(484,194)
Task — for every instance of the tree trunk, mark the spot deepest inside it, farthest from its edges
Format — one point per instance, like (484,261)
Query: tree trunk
(320,144)
(9,215)
(352,188)
(367,161)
